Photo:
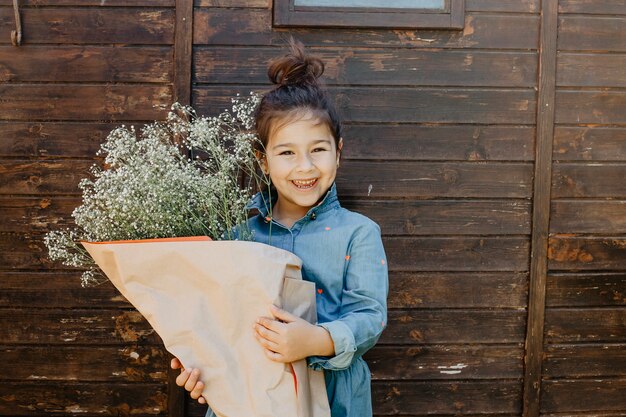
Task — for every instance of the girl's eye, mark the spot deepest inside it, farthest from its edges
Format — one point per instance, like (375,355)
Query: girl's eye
(319,149)
(286,153)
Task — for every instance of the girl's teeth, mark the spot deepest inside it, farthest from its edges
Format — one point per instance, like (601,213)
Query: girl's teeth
(304,184)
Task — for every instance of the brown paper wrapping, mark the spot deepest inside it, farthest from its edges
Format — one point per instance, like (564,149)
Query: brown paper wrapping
(203,297)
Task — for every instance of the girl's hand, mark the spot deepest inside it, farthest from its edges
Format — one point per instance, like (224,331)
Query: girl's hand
(288,338)
(188,378)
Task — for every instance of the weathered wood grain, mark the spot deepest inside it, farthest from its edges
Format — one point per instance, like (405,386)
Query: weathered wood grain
(457,290)
(454,326)
(136,363)
(433,179)
(593,107)
(584,361)
(99,3)
(404,105)
(70,398)
(583,395)
(442,142)
(568,325)
(435,397)
(586,253)
(588,216)
(457,253)
(84,102)
(591,70)
(43,177)
(30,63)
(589,289)
(590,33)
(589,143)
(36,214)
(379,66)
(76,326)
(124,25)
(53,139)
(428,217)
(56,289)
(250,27)
(437,362)
(589,180)
(592,7)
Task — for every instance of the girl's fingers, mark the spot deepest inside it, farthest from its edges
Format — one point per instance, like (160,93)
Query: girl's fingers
(181,379)
(196,393)
(175,364)
(266,343)
(201,400)
(269,324)
(193,378)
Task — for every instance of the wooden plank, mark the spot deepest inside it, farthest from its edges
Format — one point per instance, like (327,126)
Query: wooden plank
(435,397)
(442,142)
(262,4)
(124,25)
(428,217)
(586,253)
(589,180)
(30,63)
(85,102)
(404,105)
(433,179)
(588,216)
(36,214)
(584,395)
(541,209)
(591,70)
(588,33)
(569,325)
(592,6)
(43,177)
(589,143)
(585,361)
(586,289)
(457,290)
(83,3)
(441,362)
(136,363)
(454,326)
(45,398)
(254,27)
(390,179)
(593,107)
(76,326)
(183,51)
(54,139)
(56,289)
(377,66)
(23,251)
(457,253)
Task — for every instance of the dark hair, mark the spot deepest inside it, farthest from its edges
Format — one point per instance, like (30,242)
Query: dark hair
(298,91)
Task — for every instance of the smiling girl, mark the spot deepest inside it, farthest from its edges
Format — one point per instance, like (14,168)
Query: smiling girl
(341,251)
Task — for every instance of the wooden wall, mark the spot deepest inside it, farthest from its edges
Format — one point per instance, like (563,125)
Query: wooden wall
(82,69)
(584,370)
(445,148)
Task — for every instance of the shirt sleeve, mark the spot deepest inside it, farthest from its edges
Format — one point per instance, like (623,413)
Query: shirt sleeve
(363,304)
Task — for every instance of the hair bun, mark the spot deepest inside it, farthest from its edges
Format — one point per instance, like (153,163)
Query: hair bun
(296,67)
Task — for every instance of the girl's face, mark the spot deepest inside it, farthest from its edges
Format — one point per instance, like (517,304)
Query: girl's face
(302,159)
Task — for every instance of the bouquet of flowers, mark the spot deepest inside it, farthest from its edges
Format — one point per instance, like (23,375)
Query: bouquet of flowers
(165,222)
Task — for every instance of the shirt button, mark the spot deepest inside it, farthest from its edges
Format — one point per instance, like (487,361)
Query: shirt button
(313,216)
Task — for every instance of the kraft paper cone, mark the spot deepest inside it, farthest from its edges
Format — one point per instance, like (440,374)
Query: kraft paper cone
(202,297)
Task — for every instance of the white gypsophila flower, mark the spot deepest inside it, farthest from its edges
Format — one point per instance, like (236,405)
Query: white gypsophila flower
(175,178)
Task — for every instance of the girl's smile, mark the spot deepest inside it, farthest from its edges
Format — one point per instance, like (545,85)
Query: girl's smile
(301,158)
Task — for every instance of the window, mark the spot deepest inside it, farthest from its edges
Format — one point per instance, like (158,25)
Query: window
(409,14)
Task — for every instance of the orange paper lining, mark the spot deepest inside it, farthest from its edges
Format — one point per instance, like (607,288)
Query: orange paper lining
(164,239)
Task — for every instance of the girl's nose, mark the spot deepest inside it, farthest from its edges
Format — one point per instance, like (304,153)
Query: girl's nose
(304,163)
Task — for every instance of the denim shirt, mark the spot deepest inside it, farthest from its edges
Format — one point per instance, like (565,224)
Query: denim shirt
(343,254)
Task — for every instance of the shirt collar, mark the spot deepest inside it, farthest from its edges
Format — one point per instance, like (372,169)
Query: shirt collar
(261,202)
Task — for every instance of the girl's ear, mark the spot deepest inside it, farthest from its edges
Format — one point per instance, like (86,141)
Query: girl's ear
(339,148)
(262,160)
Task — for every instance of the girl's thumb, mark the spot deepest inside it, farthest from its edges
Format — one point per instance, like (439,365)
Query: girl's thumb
(282,314)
